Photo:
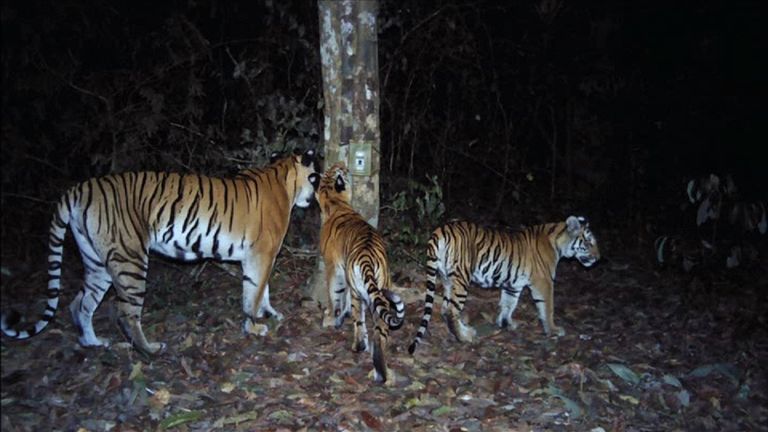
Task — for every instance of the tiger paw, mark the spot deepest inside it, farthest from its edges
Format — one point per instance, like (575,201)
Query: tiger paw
(250,327)
(328,321)
(150,349)
(155,348)
(465,332)
(468,334)
(339,321)
(360,346)
(269,312)
(390,381)
(93,342)
(506,323)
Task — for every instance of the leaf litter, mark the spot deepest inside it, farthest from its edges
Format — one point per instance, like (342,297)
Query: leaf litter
(636,359)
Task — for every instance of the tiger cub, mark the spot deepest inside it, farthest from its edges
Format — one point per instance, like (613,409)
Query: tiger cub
(356,269)
(118,219)
(463,252)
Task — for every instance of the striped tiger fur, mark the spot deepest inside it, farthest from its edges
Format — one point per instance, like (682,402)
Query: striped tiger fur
(118,219)
(462,252)
(356,267)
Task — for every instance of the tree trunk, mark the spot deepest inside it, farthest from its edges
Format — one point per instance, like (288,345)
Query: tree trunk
(350,67)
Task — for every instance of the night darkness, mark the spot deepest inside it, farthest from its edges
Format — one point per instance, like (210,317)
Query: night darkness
(509,113)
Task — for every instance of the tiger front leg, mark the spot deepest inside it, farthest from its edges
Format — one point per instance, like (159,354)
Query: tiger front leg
(542,292)
(360,338)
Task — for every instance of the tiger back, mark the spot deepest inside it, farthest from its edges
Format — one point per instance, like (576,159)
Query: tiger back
(118,219)
(356,269)
(460,253)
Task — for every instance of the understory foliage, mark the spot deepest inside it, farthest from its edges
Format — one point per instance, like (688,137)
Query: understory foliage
(423,207)
(723,230)
(93,89)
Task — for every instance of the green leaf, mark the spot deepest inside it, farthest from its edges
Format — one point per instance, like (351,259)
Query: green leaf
(180,418)
(136,373)
(417,401)
(672,380)
(624,373)
(415,386)
(743,393)
(726,369)
(485,329)
(239,418)
(442,410)
(572,406)
(280,416)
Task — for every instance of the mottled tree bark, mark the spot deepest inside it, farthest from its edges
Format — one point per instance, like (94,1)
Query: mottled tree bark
(350,66)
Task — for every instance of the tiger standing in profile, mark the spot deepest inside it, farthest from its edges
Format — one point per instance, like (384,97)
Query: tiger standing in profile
(118,219)
(463,252)
(356,269)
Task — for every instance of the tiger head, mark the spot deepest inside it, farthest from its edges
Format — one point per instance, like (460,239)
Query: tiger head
(333,185)
(304,164)
(580,242)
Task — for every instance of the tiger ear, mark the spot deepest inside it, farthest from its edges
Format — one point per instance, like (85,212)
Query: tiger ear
(308,157)
(340,185)
(314,179)
(573,225)
(274,157)
(584,222)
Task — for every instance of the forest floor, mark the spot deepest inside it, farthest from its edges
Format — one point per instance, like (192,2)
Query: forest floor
(638,355)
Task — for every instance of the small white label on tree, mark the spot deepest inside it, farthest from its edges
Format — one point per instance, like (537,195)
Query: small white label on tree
(360,158)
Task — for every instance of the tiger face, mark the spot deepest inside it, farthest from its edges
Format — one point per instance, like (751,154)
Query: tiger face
(332,185)
(305,166)
(580,243)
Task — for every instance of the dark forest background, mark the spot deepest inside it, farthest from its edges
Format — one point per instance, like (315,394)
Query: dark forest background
(505,112)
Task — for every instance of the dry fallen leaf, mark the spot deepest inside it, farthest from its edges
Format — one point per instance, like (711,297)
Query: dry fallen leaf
(370,420)
(160,399)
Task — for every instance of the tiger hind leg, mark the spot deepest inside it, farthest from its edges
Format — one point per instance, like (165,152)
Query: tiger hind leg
(97,283)
(265,308)
(456,298)
(339,297)
(507,305)
(129,280)
(360,339)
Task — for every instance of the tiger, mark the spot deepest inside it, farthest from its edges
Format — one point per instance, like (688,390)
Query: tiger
(357,271)
(116,220)
(463,252)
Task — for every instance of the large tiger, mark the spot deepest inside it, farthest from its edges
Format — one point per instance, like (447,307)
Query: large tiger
(463,252)
(356,269)
(118,219)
